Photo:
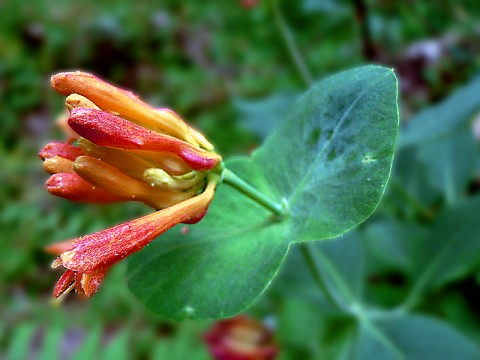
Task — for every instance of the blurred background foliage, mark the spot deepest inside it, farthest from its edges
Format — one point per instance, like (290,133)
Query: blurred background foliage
(224,67)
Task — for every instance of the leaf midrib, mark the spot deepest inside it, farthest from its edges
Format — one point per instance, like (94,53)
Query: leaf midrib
(383,338)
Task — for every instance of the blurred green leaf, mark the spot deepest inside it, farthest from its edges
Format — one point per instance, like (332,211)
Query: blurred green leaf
(186,344)
(413,338)
(451,251)
(394,245)
(341,263)
(51,339)
(449,163)
(439,120)
(337,7)
(90,347)
(118,347)
(21,340)
(264,115)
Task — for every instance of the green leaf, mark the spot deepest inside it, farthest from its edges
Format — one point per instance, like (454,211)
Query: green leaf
(450,163)
(451,251)
(306,333)
(341,265)
(411,338)
(439,120)
(409,185)
(330,162)
(394,245)
(295,281)
(264,115)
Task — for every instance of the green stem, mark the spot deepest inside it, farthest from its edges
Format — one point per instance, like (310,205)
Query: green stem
(412,201)
(308,254)
(280,210)
(291,44)
(312,263)
(245,188)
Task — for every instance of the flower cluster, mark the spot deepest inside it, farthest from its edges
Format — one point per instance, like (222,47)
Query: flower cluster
(121,149)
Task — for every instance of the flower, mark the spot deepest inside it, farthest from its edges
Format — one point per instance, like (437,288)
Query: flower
(241,338)
(121,149)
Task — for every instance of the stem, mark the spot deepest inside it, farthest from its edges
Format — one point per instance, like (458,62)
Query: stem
(290,44)
(412,201)
(280,211)
(245,188)
(307,251)
(312,263)
(361,12)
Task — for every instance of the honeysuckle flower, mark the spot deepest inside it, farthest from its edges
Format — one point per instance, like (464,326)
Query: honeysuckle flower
(241,338)
(121,149)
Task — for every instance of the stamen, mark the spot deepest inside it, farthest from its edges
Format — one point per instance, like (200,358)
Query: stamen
(58,300)
(161,178)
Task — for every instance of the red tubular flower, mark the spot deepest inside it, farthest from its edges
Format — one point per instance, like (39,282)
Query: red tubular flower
(88,258)
(121,149)
(241,338)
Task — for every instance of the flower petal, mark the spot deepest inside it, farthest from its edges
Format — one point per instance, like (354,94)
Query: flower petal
(107,247)
(201,140)
(59,247)
(124,103)
(67,279)
(63,150)
(91,282)
(241,338)
(105,129)
(73,187)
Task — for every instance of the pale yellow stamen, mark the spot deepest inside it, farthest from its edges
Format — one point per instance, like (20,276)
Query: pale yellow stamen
(57,263)
(61,298)
(161,178)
